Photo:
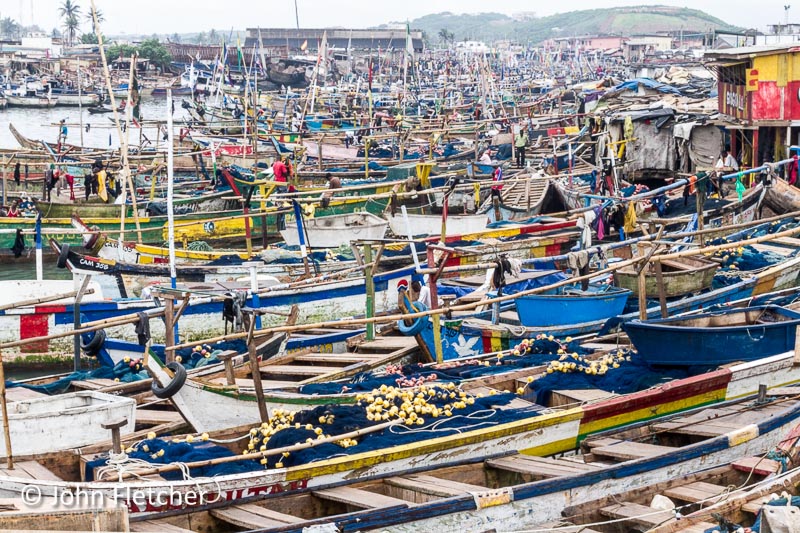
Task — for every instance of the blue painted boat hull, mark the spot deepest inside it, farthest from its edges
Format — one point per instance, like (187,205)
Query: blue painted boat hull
(563,307)
(684,341)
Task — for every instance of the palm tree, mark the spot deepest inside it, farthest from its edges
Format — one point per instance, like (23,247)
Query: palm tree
(446,36)
(70,12)
(9,27)
(90,18)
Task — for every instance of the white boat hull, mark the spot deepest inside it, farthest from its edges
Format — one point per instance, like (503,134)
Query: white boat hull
(65,421)
(432,224)
(336,230)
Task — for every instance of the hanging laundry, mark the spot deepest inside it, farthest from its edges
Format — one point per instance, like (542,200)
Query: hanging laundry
(630,219)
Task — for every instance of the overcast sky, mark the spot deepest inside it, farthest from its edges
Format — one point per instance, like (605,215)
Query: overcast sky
(184,16)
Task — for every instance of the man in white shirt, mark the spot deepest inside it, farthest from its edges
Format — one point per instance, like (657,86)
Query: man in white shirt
(726,160)
(423,293)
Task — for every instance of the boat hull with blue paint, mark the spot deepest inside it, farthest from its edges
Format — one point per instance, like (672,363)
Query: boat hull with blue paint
(715,338)
(571,305)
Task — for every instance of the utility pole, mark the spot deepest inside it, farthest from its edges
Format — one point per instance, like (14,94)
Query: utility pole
(296,16)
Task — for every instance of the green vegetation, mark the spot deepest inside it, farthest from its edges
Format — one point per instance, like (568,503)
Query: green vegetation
(150,49)
(70,11)
(617,20)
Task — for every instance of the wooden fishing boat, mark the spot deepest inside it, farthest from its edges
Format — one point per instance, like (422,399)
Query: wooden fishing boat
(717,212)
(521,491)
(43,101)
(432,224)
(569,304)
(685,275)
(519,200)
(536,432)
(714,338)
(66,421)
(319,299)
(72,98)
(465,336)
(335,230)
(781,197)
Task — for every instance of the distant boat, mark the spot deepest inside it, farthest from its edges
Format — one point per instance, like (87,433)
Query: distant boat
(72,98)
(715,338)
(335,230)
(31,101)
(681,276)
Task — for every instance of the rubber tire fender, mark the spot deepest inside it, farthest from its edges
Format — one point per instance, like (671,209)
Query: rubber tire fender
(173,386)
(63,255)
(419,323)
(95,343)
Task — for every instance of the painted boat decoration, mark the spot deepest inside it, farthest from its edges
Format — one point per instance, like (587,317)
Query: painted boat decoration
(336,230)
(685,275)
(569,304)
(540,434)
(432,224)
(715,338)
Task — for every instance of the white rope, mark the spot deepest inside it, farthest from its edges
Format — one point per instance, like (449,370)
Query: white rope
(434,427)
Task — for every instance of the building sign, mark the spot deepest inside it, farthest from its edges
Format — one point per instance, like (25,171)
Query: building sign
(734,101)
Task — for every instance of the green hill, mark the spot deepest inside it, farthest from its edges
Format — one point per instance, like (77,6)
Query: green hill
(635,20)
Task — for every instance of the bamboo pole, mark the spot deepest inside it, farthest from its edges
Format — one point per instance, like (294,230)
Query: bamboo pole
(6,428)
(370,290)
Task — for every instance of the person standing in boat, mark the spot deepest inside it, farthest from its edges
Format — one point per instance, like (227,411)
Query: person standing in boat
(280,174)
(333,183)
(725,164)
(520,142)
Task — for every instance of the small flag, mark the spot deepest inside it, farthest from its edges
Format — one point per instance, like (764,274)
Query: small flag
(304,46)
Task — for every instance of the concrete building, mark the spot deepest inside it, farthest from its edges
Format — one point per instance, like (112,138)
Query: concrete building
(359,39)
(637,48)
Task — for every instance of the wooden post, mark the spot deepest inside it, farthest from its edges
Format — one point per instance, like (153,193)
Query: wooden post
(662,296)
(796,359)
(116,441)
(255,370)
(76,315)
(169,338)
(370,287)
(319,152)
(528,196)
(6,429)
(5,182)
(366,158)
(642,281)
(498,216)
(699,202)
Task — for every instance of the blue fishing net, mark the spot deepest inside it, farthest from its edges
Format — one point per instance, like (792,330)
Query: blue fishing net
(482,413)
(124,372)
(633,375)
(542,352)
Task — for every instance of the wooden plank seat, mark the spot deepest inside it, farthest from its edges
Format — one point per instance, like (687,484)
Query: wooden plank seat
(757,465)
(637,513)
(151,526)
(434,486)
(328,358)
(156,416)
(698,491)
(625,451)
(30,470)
(540,467)
(252,516)
(358,497)
(297,370)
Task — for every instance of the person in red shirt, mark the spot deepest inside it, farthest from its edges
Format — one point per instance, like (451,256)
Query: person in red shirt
(281,173)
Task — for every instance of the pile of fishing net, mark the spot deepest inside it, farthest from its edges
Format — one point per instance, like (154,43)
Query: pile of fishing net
(530,353)
(781,501)
(418,413)
(157,451)
(201,355)
(126,371)
(620,372)
(422,412)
